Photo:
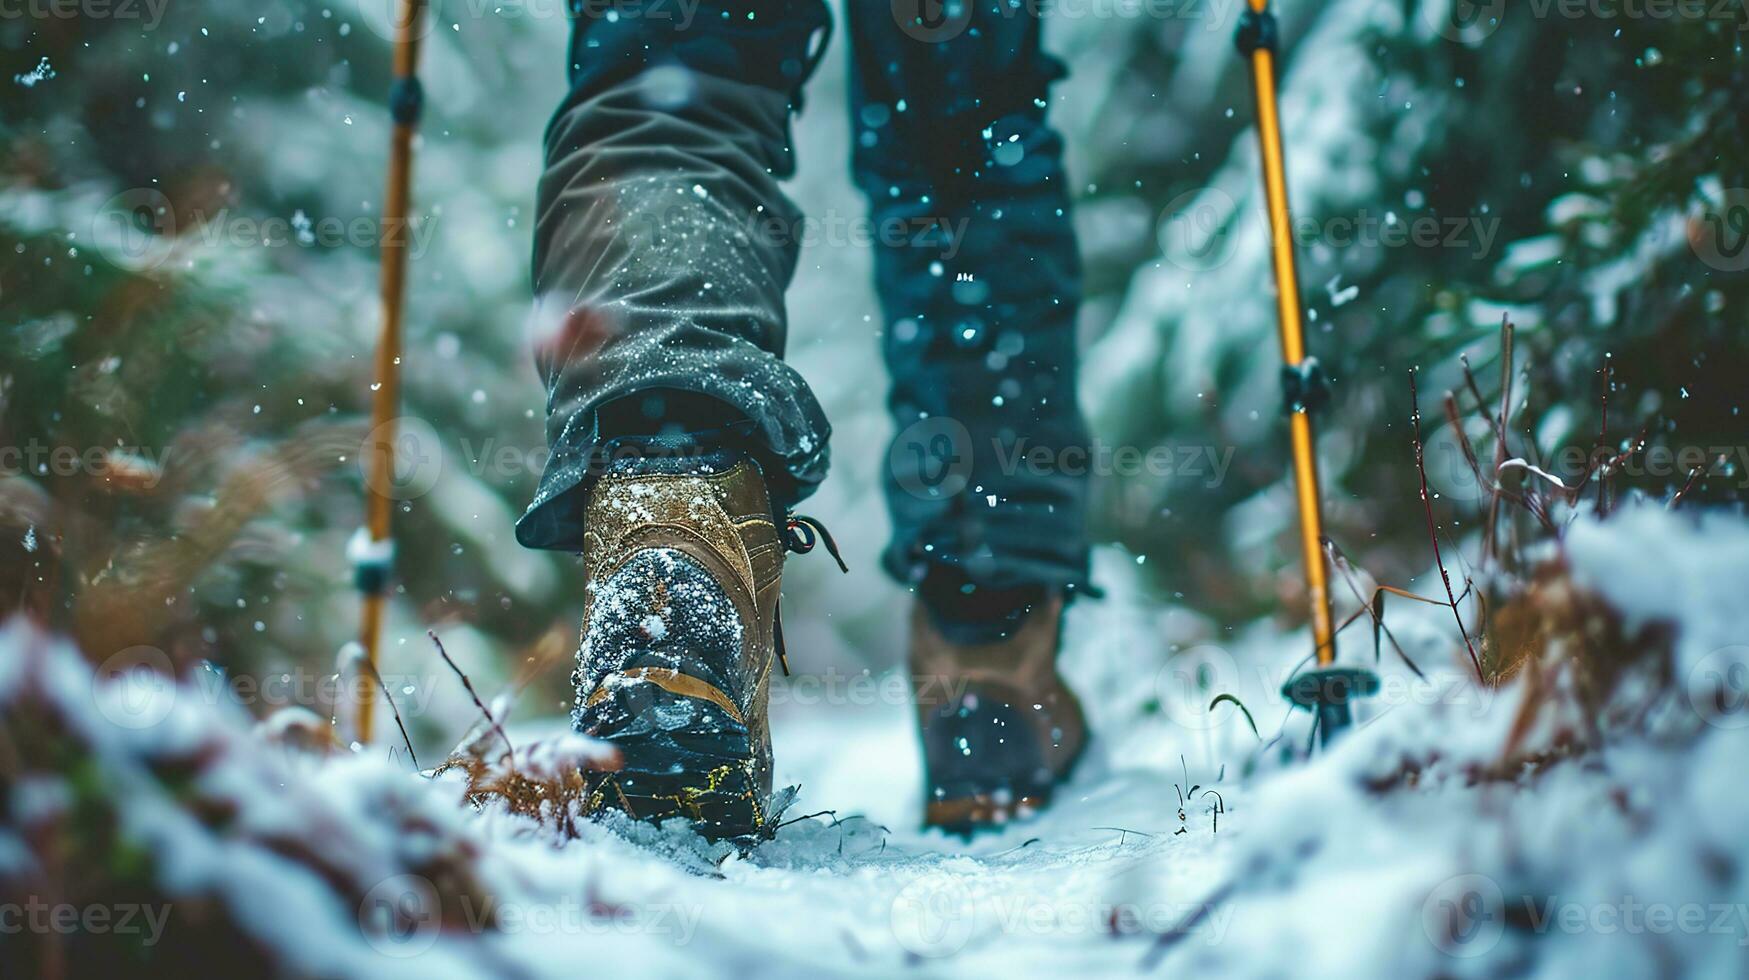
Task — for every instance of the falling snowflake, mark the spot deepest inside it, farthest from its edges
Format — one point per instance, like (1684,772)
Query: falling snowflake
(41,73)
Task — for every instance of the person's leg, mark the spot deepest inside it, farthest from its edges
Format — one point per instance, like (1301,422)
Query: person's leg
(663,242)
(988,472)
(678,434)
(987,477)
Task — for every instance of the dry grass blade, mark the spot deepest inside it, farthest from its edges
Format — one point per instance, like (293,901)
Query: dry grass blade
(377,679)
(1463,438)
(1534,470)
(1432,527)
(1234,700)
(466,683)
(1374,606)
(1497,423)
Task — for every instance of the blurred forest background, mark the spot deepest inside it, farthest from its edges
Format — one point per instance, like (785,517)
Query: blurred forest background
(188,198)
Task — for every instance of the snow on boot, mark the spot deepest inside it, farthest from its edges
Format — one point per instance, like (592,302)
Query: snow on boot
(999,727)
(683,561)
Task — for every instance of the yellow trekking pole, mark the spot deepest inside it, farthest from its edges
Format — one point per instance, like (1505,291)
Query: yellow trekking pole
(373,558)
(1327,689)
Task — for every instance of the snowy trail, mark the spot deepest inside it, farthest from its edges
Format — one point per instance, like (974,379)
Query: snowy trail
(1088,882)
(1405,850)
(1333,866)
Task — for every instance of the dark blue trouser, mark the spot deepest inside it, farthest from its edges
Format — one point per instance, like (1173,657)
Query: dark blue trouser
(664,244)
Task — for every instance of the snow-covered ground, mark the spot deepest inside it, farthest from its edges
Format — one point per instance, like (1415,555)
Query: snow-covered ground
(1386,856)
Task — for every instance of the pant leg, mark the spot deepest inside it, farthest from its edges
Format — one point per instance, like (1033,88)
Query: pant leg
(663,243)
(949,129)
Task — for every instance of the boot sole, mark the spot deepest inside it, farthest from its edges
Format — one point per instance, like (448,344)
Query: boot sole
(966,815)
(684,755)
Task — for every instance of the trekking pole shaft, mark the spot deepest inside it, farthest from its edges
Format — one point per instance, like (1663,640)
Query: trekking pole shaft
(1293,340)
(386,391)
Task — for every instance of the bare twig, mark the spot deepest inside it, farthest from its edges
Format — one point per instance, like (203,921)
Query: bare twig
(809,816)
(475,695)
(1693,477)
(1432,528)
(1600,463)
(1603,440)
(1500,448)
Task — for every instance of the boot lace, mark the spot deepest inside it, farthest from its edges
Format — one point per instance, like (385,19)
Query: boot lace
(800,535)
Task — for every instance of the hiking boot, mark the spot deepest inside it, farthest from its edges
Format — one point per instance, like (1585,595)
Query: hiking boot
(1001,729)
(683,560)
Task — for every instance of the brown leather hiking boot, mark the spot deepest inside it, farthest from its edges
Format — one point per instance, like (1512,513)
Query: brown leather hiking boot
(1002,729)
(680,634)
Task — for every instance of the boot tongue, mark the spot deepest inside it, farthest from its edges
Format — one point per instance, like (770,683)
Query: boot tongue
(968,614)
